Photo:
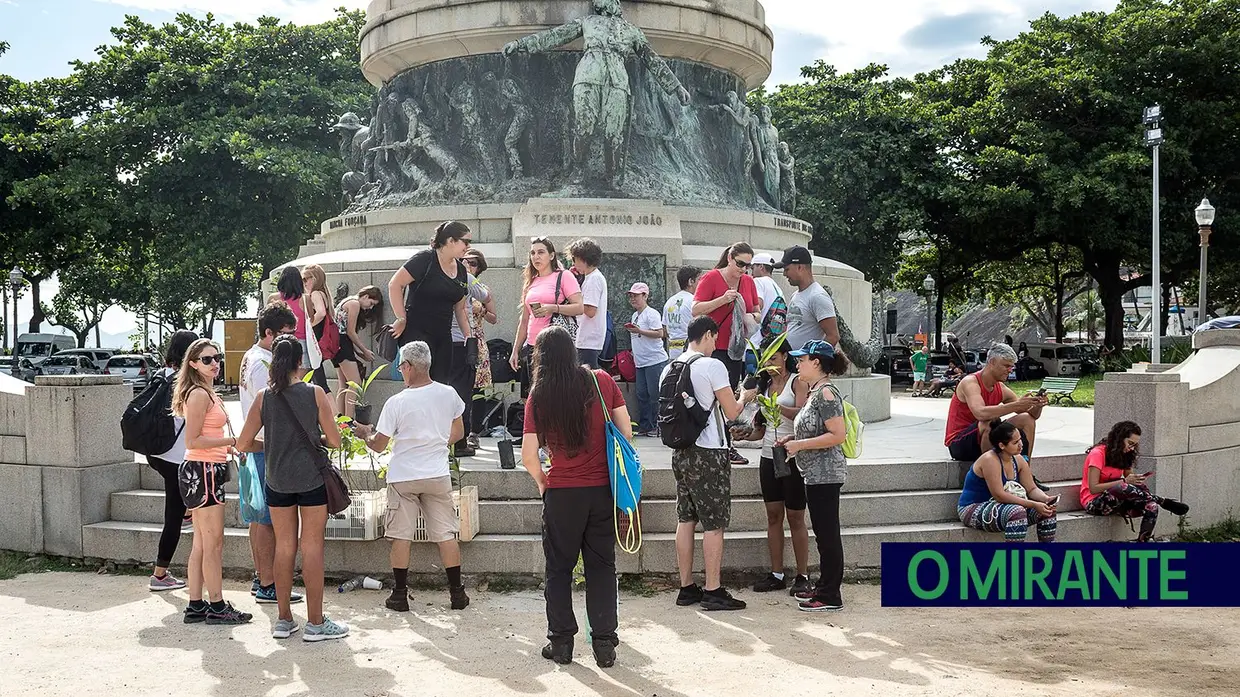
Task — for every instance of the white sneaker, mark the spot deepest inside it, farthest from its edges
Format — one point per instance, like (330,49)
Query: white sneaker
(327,630)
(167,583)
(284,629)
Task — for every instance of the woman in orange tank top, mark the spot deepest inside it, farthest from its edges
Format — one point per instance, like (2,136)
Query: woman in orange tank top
(202,477)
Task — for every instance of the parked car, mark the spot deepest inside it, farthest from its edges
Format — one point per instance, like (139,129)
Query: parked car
(1058,360)
(1091,358)
(37,347)
(98,356)
(895,362)
(6,365)
(135,369)
(73,364)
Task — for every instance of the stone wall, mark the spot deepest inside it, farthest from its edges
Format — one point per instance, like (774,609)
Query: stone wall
(60,459)
(1190,420)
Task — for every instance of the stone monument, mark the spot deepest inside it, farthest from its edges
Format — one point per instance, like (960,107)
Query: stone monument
(624,122)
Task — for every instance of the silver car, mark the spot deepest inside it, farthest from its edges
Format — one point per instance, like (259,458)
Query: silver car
(133,368)
(72,364)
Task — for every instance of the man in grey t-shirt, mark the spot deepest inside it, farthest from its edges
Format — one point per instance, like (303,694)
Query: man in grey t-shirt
(811,313)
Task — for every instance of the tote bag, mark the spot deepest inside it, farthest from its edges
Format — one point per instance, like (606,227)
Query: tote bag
(625,470)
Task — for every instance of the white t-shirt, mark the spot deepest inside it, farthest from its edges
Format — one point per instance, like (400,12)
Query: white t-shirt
(708,375)
(677,314)
(255,375)
(175,454)
(592,332)
(768,290)
(419,422)
(648,351)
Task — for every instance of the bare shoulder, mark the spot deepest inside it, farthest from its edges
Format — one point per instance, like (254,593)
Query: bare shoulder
(827,393)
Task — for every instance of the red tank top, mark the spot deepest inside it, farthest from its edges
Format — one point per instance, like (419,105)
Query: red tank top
(960,417)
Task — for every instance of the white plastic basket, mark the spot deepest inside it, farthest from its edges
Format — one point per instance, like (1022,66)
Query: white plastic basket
(465,502)
(362,521)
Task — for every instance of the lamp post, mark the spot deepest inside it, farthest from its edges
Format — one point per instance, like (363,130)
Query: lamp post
(928,285)
(1205,222)
(1152,118)
(16,282)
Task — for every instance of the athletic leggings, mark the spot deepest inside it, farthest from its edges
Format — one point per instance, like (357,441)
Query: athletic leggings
(1008,518)
(1130,501)
(174,511)
(823,502)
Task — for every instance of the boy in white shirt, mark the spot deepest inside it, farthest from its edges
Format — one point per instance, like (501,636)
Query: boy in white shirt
(648,354)
(678,311)
(592,324)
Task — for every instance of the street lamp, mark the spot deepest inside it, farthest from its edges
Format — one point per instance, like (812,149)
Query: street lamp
(1152,118)
(1205,221)
(16,281)
(928,285)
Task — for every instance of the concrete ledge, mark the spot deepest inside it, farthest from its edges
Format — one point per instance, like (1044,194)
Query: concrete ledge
(74,420)
(21,508)
(1216,337)
(1215,437)
(77,380)
(77,496)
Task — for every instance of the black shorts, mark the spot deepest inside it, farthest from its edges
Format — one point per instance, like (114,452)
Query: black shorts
(967,446)
(202,483)
(346,351)
(789,490)
(314,497)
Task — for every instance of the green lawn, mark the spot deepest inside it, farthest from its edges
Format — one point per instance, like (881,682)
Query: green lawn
(1084,394)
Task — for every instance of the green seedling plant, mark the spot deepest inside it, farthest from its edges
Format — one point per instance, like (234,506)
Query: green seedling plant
(769,404)
(359,391)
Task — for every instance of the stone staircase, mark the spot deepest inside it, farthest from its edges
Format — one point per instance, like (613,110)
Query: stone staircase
(882,502)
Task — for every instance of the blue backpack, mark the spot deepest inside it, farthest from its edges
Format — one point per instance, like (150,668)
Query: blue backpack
(609,341)
(625,470)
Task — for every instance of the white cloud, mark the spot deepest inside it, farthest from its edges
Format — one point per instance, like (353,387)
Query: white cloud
(298,11)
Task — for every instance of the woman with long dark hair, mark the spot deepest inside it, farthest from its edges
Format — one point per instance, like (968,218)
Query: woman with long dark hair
(167,464)
(201,479)
(578,508)
(317,305)
(548,290)
(288,411)
(437,285)
(818,434)
(1110,487)
(352,315)
(1000,495)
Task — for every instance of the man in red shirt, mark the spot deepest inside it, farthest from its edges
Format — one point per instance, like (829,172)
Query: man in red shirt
(981,398)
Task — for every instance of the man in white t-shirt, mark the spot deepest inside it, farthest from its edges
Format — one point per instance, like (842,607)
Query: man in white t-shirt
(703,472)
(646,326)
(273,320)
(592,324)
(811,312)
(768,290)
(422,421)
(678,311)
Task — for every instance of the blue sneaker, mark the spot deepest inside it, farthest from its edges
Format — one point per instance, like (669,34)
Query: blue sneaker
(284,629)
(255,586)
(267,594)
(326,631)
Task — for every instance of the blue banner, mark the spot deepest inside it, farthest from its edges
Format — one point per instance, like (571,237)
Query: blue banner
(986,574)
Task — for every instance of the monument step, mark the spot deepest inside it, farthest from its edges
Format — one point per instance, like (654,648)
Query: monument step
(522,554)
(658,514)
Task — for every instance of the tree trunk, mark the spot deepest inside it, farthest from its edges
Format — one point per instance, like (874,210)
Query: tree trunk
(98,339)
(1059,303)
(37,317)
(1165,312)
(938,321)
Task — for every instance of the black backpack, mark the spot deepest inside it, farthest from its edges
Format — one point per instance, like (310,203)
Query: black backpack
(681,418)
(147,426)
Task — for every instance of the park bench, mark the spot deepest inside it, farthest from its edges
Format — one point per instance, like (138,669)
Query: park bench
(1059,389)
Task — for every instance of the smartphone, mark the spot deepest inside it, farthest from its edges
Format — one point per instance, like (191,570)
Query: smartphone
(535,306)
(630,325)
(1053,501)
(1042,392)
(1149,474)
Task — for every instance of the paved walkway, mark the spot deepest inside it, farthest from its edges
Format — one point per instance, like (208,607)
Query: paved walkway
(107,636)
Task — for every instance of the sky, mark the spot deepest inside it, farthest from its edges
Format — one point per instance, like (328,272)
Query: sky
(909,36)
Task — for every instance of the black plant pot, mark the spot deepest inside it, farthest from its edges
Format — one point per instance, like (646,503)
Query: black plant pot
(361,414)
(779,455)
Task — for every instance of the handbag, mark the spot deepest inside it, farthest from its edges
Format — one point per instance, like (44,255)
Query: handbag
(624,469)
(471,352)
(329,345)
(338,498)
(385,344)
(569,324)
(253,496)
(739,341)
(312,342)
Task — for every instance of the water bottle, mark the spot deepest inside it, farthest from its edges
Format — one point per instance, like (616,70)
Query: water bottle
(352,584)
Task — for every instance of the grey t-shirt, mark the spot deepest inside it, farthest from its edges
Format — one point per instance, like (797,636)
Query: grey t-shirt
(478,292)
(820,466)
(289,460)
(806,309)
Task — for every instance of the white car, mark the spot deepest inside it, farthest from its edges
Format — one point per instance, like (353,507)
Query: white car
(73,364)
(98,356)
(134,369)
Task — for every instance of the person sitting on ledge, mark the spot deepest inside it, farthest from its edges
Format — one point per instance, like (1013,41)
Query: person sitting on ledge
(951,378)
(1110,487)
(981,398)
(999,494)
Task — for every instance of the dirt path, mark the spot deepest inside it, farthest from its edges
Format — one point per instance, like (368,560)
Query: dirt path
(83,634)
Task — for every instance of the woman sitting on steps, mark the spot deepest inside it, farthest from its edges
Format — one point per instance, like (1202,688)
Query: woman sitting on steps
(1000,495)
(1110,487)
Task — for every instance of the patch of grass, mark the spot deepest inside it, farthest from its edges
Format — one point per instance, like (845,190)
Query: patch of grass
(1083,396)
(634,584)
(1226,531)
(13,564)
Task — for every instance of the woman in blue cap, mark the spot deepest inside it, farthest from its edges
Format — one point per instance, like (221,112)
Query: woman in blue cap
(817,436)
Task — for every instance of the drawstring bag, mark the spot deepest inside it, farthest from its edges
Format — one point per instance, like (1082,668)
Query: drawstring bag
(739,342)
(625,470)
(253,498)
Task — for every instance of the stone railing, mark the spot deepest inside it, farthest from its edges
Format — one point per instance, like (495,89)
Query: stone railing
(60,460)
(1190,418)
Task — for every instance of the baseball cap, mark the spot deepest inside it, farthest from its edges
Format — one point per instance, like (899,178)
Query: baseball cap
(639,288)
(763,259)
(822,349)
(794,255)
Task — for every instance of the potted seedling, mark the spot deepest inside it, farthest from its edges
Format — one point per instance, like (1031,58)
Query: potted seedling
(769,409)
(361,410)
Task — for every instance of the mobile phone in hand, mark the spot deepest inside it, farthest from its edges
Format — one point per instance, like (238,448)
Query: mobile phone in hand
(535,306)
(1147,475)
(1053,501)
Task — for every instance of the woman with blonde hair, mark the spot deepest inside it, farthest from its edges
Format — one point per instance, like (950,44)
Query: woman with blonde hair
(548,290)
(316,305)
(352,314)
(201,478)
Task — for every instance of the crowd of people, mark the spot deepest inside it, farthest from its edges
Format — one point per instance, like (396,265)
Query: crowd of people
(697,367)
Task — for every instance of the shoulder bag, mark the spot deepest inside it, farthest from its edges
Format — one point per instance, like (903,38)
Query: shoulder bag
(625,470)
(338,498)
(569,324)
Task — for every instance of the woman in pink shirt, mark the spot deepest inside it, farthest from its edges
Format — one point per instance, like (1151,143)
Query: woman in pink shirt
(540,300)
(1110,487)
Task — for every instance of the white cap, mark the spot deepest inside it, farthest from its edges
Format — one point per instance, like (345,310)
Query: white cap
(764,259)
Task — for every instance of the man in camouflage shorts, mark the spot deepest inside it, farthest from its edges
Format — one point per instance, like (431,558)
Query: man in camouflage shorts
(703,487)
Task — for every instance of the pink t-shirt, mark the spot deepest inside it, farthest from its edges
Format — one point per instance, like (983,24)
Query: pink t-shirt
(542,290)
(1097,458)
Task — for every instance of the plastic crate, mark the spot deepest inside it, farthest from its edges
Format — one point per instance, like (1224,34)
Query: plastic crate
(362,521)
(465,501)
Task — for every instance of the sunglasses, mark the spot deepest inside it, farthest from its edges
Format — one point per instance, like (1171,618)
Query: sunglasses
(208,360)
(540,238)
(466,240)
(469,261)
(741,264)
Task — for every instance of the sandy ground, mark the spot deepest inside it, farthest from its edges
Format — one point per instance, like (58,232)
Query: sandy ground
(84,634)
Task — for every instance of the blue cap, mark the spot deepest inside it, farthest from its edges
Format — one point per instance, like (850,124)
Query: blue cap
(822,349)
